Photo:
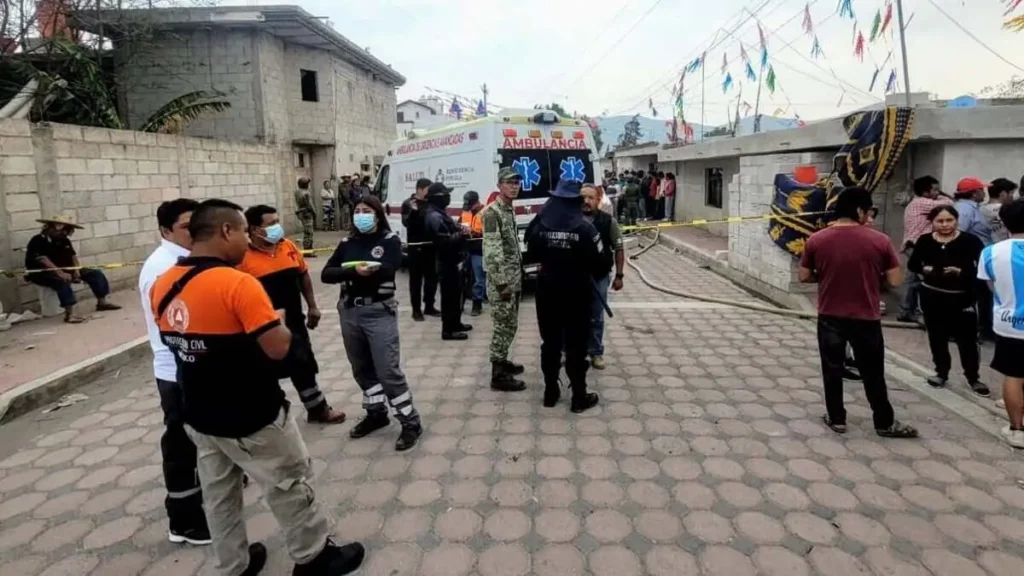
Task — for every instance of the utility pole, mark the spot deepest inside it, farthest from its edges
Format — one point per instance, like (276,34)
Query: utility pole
(702,76)
(903,51)
(484,90)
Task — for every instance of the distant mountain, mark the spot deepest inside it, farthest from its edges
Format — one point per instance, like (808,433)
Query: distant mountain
(655,128)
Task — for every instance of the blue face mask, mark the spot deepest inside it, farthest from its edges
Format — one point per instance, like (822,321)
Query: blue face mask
(275,232)
(364,222)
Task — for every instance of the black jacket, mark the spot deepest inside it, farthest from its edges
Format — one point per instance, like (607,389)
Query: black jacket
(412,219)
(383,247)
(603,223)
(568,249)
(439,228)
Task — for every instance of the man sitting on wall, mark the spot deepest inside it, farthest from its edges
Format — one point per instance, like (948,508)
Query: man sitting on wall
(46,256)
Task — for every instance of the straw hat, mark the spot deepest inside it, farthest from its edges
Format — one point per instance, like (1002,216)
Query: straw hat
(64,220)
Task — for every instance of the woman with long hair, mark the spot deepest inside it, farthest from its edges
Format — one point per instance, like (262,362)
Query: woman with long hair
(947,260)
(364,264)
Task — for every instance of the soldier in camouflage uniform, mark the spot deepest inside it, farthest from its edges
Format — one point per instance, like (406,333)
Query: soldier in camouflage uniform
(503,264)
(632,198)
(306,212)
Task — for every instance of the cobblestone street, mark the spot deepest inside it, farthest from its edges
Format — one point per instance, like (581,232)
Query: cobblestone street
(706,456)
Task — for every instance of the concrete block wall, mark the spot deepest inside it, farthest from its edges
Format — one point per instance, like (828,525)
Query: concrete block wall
(276,121)
(751,251)
(111,183)
(165,66)
(691,182)
(365,117)
(310,121)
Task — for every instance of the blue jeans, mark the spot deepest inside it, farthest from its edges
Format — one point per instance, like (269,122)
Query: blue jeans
(65,292)
(595,345)
(479,277)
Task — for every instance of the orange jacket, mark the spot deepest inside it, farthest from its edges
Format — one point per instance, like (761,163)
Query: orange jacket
(474,221)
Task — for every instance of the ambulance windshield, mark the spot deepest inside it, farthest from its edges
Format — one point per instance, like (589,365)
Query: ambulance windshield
(540,170)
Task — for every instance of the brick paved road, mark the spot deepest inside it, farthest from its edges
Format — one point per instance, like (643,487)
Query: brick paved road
(706,457)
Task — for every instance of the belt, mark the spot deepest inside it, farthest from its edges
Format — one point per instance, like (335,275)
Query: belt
(365,300)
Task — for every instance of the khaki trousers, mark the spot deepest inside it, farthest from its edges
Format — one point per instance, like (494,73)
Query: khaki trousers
(277,459)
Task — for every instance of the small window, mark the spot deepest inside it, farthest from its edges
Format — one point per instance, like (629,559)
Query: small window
(713,187)
(300,161)
(417,115)
(310,91)
(364,168)
(401,117)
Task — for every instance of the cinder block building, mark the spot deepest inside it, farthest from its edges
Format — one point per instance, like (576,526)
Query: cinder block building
(293,82)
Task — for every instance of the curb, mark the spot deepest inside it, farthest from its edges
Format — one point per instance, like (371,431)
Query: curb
(42,391)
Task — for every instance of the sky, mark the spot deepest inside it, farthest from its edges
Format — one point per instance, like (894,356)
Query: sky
(612,57)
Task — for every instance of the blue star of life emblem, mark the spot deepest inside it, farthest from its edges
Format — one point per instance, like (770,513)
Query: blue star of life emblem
(572,169)
(529,170)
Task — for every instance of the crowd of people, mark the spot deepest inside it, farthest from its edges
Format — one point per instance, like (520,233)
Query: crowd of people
(636,196)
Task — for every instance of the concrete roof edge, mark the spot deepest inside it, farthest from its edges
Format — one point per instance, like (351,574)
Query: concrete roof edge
(185,17)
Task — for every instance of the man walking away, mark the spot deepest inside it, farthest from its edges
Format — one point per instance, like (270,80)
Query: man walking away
(306,212)
(916,224)
(645,187)
(449,243)
(848,260)
(568,249)
(504,264)
(184,501)
(422,265)
(472,221)
(632,201)
(1000,193)
(277,263)
(970,193)
(226,336)
(1002,267)
(611,241)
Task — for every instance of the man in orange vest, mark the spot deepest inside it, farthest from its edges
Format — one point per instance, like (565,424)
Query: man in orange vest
(472,221)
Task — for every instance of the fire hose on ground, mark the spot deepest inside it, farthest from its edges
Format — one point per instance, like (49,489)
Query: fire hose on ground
(630,261)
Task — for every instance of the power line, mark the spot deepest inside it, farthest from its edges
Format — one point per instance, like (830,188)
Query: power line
(604,27)
(614,45)
(973,37)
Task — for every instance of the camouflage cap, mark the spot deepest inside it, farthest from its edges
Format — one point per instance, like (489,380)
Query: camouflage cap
(507,173)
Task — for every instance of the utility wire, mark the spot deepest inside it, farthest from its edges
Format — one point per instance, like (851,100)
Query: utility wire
(604,27)
(973,37)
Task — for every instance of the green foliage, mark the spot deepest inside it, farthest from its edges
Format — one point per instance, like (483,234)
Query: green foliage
(554,107)
(173,117)
(73,87)
(631,132)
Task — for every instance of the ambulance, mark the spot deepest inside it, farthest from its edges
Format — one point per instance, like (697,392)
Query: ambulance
(539,145)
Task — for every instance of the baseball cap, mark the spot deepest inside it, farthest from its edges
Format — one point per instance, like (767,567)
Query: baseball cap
(969,184)
(423,183)
(508,173)
(438,189)
(471,197)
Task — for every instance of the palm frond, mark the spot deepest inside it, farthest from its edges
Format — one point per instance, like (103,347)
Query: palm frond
(1015,24)
(177,114)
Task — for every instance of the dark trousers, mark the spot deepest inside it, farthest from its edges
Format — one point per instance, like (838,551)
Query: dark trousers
(301,368)
(951,316)
(865,337)
(65,291)
(564,319)
(422,278)
(983,294)
(451,295)
(184,501)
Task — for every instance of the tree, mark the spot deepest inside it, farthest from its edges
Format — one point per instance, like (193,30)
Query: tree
(1012,88)
(554,107)
(595,129)
(719,131)
(631,132)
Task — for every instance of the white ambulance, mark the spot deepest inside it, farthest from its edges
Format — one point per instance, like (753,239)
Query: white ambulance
(539,145)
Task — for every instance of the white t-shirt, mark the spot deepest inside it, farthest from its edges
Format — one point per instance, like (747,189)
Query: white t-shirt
(165,256)
(1003,265)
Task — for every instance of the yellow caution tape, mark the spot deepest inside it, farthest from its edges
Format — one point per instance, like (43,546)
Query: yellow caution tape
(15,272)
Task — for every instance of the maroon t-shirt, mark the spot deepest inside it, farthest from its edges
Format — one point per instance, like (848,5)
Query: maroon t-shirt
(849,262)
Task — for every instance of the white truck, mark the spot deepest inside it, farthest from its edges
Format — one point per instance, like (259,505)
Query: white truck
(539,145)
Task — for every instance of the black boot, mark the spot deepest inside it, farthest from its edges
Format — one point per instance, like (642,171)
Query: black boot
(478,308)
(333,560)
(513,368)
(407,439)
(581,399)
(369,424)
(257,559)
(552,393)
(502,380)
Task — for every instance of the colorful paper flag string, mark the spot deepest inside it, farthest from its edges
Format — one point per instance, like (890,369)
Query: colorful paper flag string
(769,80)
(874,78)
(750,73)
(764,58)
(727,83)
(888,17)
(760,33)
(876,26)
(846,9)
(481,109)
(778,112)
(808,24)
(858,48)
(696,64)
(816,48)
(1011,5)
(455,109)
(890,85)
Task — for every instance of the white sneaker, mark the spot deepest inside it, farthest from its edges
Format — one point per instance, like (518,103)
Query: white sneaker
(1014,438)
(1001,404)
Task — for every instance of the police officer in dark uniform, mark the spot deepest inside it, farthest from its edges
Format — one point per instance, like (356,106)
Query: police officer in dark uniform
(365,264)
(422,265)
(568,249)
(449,243)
